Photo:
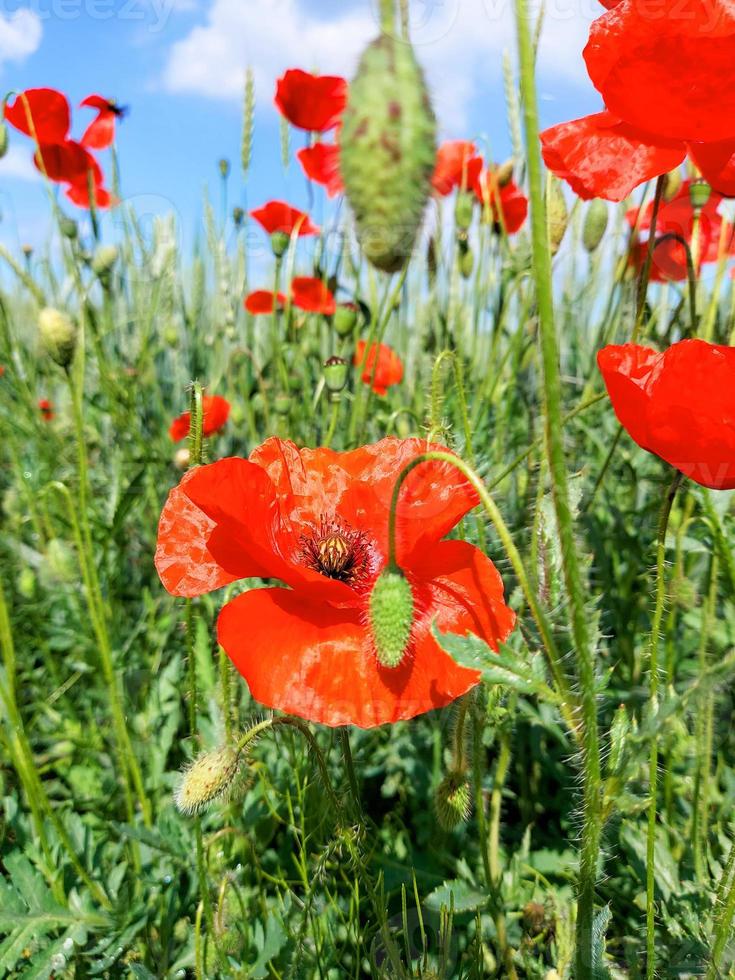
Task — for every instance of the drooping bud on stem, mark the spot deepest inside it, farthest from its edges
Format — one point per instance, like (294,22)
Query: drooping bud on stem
(452,800)
(595,224)
(58,335)
(557,215)
(391,616)
(210,777)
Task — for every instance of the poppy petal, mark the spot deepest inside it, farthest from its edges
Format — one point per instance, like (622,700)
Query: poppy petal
(599,156)
(262,301)
(311,102)
(183,561)
(627,369)
(42,113)
(320,163)
(717,163)
(323,667)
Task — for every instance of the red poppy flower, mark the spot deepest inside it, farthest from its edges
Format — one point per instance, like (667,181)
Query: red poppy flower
(513,203)
(679,404)
(277,216)
(79,194)
(67,162)
(311,102)
(261,301)
(47,409)
(313,295)
(215,412)
(317,520)
(389,369)
(41,113)
(457,165)
(320,163)
(101,131)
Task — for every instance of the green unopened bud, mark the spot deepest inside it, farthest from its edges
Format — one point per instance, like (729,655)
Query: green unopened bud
(452,800)
(391,616)
(335,374)
(466,263)
(224,168)
(557,216)
(238,216)
(171,336)
(282,404)
(595,224)
(463,210)
(672,184)
(104,258)
(68,227)
(279,243)
(345,319)
(4,139)
(210,777)
(27,582)
(504,173)
(699,194)
(58,335)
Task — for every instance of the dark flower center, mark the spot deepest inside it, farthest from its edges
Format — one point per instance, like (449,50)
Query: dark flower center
(336,552)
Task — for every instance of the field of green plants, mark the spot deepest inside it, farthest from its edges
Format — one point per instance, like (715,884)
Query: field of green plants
(366,607)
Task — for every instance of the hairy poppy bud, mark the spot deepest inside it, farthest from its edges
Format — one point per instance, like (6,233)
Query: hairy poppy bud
(182,458)
(388,151)
(557,216)
(595,224)
(452,800)
(68,227)
(463,210)
(672,184)
(209,778)
(58,335)
(504,173)
(279,243)
(345,319)
(699,194)
(4,141)
(335,374)
(391,616)
(466,262)
(104,258)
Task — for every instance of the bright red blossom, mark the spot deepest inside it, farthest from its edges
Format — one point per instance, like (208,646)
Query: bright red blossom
(388,370)
(679,404)
(277,216)
(261,301)
(46,409)
(457,166)
(41,113)
(317,520)
(312,295)
(101,131)
(311,102)
(215,412)
(508,201)
(320,163)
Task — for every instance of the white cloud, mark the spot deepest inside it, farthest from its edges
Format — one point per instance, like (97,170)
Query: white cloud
(18,163)
(20,35)
(460,42)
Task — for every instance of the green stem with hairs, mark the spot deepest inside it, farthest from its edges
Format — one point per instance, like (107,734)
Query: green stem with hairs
(640,304)
(653,696)
(592,825)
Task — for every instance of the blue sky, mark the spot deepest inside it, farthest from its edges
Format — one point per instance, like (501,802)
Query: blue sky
(179,65)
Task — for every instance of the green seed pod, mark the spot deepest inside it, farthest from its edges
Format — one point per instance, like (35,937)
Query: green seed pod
(388,151)
(210,777)
(279,243)
(345,319)
(595,224)
(557,216)
(171,336)
(391,616)
(282,404)
(4,139)
(58,335)
(238,217)
(699,194)
(224,168)
(452,801)
(335,374)
(463,210)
